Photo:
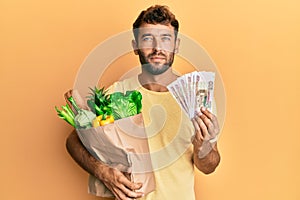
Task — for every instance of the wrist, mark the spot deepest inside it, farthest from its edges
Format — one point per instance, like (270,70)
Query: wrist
(204,149)
(214,140)
(100,169)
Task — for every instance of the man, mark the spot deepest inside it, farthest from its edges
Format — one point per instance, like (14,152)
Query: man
(155,43)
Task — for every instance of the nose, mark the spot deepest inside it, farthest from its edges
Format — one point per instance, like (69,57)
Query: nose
(157,45)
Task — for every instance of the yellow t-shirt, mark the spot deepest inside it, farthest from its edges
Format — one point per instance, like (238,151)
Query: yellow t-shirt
(169,132)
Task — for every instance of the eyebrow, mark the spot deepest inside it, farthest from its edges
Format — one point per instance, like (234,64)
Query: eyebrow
(149,34)
(167,34)
(146,35)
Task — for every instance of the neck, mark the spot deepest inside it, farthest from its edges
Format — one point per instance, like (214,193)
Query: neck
(157,83)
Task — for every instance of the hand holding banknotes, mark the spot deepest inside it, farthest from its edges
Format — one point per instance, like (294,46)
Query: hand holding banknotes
(206,132)
(194,92)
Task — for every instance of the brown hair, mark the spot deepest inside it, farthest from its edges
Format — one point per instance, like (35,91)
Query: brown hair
(156,15)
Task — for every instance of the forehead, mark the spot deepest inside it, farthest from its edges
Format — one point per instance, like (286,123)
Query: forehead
(156,29)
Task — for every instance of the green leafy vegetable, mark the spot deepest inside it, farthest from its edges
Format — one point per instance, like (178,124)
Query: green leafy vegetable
(103,108)
(67,114)
(125,105)
(99,102)
(84,118)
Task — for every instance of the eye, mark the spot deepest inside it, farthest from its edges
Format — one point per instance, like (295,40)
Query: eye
(147,39)
(166,38)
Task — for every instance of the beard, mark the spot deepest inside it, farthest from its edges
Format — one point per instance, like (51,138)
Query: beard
(155,68)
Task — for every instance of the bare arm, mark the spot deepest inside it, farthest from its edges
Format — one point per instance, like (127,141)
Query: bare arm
(114,180)
(209,162)
(83,157)
(206,156)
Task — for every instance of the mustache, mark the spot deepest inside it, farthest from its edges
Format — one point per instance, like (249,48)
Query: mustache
(157,54)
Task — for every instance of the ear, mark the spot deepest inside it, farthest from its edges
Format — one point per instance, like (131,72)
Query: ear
(134,46)
(177,43)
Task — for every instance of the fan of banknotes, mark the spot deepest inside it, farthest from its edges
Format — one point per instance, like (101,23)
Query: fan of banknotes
(194,90)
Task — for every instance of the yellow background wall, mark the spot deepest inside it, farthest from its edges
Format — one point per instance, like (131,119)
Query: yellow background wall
(255,44)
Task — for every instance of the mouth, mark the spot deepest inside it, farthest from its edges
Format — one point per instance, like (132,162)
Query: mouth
(157,58)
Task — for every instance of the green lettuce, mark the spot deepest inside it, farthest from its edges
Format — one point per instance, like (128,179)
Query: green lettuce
(126,105)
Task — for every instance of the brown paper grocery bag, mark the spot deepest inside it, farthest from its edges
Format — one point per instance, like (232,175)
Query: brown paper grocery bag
(122,144)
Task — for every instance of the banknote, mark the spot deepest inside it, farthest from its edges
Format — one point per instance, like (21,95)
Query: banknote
(174,89)
(193,91)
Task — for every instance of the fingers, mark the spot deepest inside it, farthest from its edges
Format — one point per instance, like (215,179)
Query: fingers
(131,193)
(123,193)
(121,186)
(127,175)
(131,185)
(127,187)
(210,121)
(206,130)
(124,179)
(198,136)
(206,125)
(211,116)
(203,131)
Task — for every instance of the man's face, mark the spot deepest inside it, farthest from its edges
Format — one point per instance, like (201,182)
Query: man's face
(156,45)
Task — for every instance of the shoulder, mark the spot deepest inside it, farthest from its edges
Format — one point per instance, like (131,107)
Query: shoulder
(131,83)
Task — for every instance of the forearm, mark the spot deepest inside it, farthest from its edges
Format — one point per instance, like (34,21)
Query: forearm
(113,179)
(207,163)
(79,153)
